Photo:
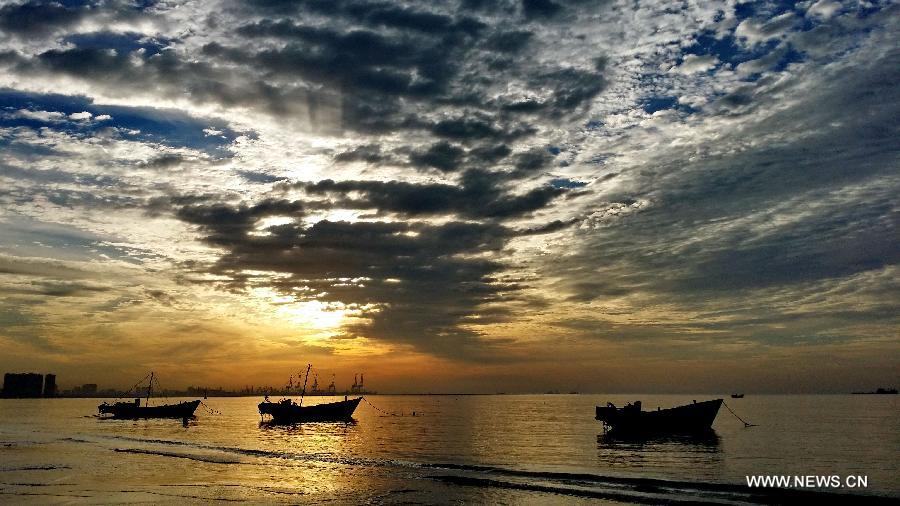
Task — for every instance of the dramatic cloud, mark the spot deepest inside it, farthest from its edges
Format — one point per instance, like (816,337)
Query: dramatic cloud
(488,187)
(410,281)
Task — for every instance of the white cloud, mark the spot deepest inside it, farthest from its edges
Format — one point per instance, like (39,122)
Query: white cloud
(81,116)
(753,31)
(46,116)
(696,63)
(824,9)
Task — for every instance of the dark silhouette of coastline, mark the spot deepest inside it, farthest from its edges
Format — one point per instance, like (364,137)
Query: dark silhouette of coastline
(879,391)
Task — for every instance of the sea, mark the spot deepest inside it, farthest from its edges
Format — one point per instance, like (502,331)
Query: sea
(452,449)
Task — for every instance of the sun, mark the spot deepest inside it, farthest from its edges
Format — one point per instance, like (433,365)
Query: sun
(322,317)
(314,314)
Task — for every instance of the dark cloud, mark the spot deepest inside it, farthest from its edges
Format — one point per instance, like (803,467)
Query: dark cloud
(39,18)
(479,196)
(532,161)
(490,154)
(259,177)
(156,206)
(524,106)
(509,42)
(361,59)
(442,156)
(411,279)
(549,228)
(229,225)
(540,8)
(66,288)
(473,126)
(370,153)
(573,87)
(165,161)
(588,291)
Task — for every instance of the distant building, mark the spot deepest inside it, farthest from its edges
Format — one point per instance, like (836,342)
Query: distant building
(89,388)
(23,385)
(50,385)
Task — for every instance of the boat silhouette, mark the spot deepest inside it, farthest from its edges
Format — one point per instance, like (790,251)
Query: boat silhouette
(134,410)
(693,418)
(288,411)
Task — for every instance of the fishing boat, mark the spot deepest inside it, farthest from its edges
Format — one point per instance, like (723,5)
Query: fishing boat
(288,411)
(696,417)
(737,396)
(134,410)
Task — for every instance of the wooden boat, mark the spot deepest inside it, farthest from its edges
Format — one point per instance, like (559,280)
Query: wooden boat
(737,396)
(288,411)
(690,418)
(134,410)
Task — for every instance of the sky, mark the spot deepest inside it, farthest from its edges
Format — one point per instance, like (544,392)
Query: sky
(462,196)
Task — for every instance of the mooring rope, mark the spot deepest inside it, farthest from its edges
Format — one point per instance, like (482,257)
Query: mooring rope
(209,409)
(414,413)
(133,387)
(746,423)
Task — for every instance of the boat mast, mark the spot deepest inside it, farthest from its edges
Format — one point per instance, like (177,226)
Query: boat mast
(305,379)
(149,388)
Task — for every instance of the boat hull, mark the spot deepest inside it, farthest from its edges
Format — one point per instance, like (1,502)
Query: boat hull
(693,418)
(290,412)
(129,410)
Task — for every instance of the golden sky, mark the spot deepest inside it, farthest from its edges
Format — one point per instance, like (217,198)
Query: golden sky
(474,197)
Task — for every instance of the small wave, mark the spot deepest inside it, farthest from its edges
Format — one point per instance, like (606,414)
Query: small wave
(213,459)
(75,440)
(314,457)
(33,468)
(631,489)
(609,495)
(182,496)
(37,494)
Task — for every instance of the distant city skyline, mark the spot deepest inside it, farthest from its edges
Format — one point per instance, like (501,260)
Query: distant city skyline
(511,196)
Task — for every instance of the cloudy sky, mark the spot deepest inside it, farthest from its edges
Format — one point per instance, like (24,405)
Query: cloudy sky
(484,196)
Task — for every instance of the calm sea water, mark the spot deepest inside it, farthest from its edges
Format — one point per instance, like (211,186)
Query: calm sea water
(496,449)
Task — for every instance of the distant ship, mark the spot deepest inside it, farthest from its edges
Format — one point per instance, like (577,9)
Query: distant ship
(880,391)
(737,396)
(134,410)
(691,418)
